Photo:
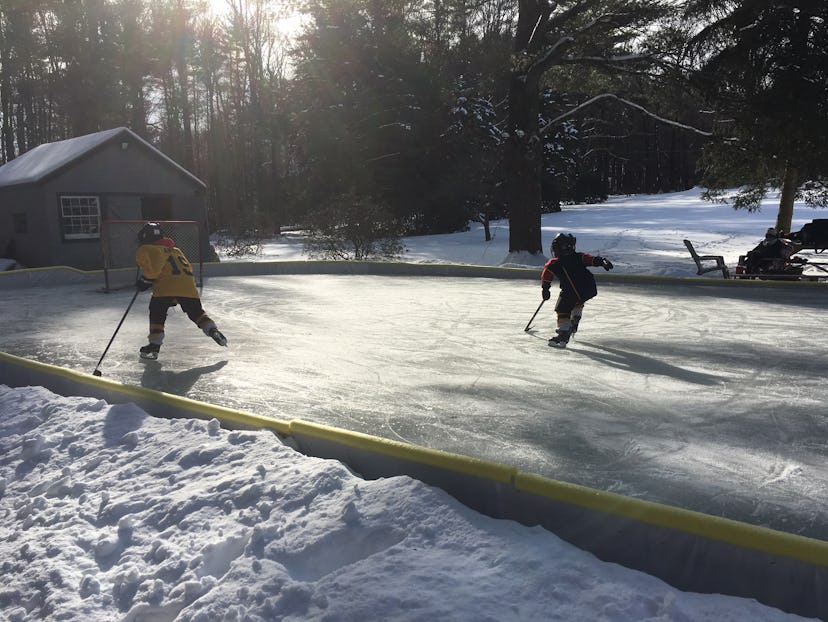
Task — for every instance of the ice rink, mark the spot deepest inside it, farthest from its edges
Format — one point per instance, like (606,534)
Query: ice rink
(700,395)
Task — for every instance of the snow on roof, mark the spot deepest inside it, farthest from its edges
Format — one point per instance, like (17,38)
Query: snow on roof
(37,163)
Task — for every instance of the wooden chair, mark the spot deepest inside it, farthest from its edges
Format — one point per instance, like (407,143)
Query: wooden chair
(704,269)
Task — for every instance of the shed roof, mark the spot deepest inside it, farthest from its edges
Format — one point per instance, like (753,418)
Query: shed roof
(40,162)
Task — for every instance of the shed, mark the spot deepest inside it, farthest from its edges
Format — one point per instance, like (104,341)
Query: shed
(54,198)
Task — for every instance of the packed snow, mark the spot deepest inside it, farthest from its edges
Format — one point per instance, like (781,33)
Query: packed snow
(110,514)
(107,513)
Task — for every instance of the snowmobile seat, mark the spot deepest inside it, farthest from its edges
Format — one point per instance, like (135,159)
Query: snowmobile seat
(813,235)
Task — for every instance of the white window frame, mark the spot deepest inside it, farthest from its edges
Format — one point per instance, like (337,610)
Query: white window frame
(80,217)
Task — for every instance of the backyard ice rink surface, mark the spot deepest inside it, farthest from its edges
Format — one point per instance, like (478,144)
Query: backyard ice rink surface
(701,396)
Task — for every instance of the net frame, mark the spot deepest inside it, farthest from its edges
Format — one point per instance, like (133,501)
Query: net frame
(119,241)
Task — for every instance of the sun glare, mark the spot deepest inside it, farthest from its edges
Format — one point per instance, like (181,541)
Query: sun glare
(289,25)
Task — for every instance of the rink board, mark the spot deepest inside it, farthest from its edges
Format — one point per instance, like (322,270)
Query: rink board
(689,550)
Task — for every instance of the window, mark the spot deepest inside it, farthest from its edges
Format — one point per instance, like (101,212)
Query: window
(81,217)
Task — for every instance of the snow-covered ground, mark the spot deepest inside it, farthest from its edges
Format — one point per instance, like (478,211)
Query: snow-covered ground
(108,514)
(641,234)
(704,396)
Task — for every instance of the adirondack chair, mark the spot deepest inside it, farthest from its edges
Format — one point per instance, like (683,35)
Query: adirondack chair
(701,267)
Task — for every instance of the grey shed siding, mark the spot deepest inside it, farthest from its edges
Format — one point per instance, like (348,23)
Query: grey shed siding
(29,248)
(117,167)
(119,177)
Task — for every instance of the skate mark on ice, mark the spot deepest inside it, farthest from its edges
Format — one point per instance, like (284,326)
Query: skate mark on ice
(781,471)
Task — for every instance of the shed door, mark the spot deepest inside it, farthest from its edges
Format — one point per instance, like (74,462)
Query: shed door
(156,208)
(122,207)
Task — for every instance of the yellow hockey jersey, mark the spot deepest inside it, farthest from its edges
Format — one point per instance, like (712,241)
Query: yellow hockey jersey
(166,265)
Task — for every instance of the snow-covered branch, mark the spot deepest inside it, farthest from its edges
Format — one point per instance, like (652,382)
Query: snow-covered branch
(626,102)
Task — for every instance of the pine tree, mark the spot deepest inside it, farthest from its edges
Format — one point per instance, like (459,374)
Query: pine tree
(764,67)
(597,33)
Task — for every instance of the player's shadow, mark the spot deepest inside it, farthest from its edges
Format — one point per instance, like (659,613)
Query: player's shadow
(175,382)
(638,363)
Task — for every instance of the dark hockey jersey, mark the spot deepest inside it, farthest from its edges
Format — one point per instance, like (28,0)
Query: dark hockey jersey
(571,271)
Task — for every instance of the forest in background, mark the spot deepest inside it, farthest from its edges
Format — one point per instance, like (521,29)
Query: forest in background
(401,113)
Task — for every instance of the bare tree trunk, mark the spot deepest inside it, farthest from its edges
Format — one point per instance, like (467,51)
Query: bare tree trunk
(6,107)
(523,155)
(522,162)
(785,216)
(139,117)
(181,26)
(186,115)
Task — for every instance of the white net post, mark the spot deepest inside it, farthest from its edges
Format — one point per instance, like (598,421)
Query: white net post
(119,241)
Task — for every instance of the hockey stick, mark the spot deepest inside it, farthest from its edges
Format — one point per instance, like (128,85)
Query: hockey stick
(97,371)
(526,330)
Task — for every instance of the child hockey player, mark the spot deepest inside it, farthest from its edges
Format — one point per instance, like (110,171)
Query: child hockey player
(167,271)
(577,284)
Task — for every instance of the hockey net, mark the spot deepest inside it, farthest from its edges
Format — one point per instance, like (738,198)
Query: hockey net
(119,241)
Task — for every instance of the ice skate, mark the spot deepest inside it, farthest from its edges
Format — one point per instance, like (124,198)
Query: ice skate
(220,339)
(150,351)
(560,340)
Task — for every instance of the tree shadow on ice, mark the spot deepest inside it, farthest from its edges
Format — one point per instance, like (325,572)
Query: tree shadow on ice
(175,382)
(621,359)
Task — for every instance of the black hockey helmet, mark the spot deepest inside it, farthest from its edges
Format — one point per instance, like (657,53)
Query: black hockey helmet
(563,244)
(149,233)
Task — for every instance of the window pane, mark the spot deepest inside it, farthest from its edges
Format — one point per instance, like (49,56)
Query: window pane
(81,217)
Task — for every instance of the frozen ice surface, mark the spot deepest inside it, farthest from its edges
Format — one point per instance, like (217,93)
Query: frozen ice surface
(706,397)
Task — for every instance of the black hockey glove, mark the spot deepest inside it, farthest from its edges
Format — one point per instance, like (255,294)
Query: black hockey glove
(545,291)
(606,264)
(143,284)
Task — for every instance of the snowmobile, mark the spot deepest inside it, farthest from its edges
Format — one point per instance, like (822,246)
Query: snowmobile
(774,257)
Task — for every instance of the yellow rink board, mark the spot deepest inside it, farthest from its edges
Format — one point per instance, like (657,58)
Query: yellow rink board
(690,550)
